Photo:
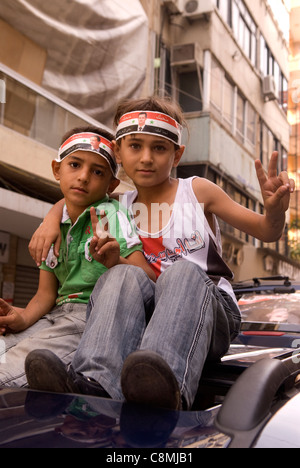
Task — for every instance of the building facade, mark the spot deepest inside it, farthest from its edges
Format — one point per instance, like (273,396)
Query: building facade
(227,63)
(294,120)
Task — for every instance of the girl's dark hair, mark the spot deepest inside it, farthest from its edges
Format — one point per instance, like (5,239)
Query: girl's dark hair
(88,129)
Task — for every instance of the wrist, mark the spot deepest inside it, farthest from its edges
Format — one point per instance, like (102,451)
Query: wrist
(275,219)
(274,226)
(122,261)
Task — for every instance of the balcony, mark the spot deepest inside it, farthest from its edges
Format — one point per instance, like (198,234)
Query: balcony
(32,123)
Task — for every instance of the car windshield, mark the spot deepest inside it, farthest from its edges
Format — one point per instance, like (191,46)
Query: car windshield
(273,308)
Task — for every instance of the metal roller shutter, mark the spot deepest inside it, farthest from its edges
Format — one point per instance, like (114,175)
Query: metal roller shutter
(27,279)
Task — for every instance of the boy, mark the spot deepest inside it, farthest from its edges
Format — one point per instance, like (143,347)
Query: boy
(169,329)
(86,175)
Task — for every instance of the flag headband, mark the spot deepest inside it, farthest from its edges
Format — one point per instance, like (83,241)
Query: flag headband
(83,142)
(151,123)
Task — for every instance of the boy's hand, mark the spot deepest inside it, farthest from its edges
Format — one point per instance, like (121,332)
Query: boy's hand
(11,318)
(276,189)
(103,247)
(41,242)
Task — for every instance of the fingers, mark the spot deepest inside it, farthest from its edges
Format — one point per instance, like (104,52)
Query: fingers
(292,185)
(39,248)
(273,165)
(97,243)
(110,247)
(94,219)
(261,175)
(100,227)
(286,181)
(5,308)
(55,248)
(272,169)
(272,175)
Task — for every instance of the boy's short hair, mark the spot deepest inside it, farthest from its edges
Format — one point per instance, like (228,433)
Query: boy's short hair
(155,104)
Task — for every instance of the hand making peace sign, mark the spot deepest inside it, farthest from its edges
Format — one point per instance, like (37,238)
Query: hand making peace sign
(104,248)
(276,188)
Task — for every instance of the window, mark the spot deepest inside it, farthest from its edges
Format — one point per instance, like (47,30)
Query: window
(189,91)
(216,81)
(222,92)
(228,92)
(283,93)
(240,118)
(263,57)
(244,30)
(237,16)
(269,66)
(267,145)
(225,9)
(251,124)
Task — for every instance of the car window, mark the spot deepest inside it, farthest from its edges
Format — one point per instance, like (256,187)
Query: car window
(275,308)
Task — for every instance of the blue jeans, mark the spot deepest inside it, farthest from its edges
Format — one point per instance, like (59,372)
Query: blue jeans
(184,317)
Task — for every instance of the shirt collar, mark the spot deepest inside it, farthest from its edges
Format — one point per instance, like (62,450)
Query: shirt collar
(66,218)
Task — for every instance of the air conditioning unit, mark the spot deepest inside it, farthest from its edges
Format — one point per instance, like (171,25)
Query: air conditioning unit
(186,56)
(269,88)
(195,9)
(238,257)
(174,6)
(228,252)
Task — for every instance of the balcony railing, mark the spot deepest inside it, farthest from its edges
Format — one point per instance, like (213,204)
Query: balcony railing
(32,111)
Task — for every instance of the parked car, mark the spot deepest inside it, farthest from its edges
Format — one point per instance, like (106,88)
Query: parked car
(249,399)
(270,312)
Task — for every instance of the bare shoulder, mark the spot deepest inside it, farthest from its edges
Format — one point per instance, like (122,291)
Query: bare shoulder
(204,190)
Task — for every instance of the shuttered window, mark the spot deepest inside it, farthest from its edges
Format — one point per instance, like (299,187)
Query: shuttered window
(27,279)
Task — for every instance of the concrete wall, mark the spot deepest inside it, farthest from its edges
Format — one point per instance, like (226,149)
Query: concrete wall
(21,54)
(26,154)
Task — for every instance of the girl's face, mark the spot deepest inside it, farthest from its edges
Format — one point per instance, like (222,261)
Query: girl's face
(148,160)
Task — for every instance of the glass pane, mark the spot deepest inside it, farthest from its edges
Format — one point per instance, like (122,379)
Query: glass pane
(240,115)
(216,84)
(189,92)
(228,101)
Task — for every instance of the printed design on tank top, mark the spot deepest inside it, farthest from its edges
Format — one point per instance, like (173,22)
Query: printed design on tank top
(156,253)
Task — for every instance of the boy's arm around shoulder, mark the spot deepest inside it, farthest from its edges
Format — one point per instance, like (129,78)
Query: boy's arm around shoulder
(48,233)
(15,320)
(275,190)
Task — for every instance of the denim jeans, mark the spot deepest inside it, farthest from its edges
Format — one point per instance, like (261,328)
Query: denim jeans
(184,317)
(59,331)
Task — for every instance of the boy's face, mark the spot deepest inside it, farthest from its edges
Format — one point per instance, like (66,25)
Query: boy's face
(148,160)
(84,178)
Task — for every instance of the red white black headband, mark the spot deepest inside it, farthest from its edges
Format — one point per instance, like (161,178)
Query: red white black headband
(151,123)
(89,142)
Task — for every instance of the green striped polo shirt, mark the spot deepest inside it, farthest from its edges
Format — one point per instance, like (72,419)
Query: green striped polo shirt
(76,271)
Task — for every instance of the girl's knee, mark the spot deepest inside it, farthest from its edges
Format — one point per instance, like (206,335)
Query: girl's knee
(184,268)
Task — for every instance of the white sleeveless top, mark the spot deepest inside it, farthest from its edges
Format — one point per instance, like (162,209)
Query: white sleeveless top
(186,236)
